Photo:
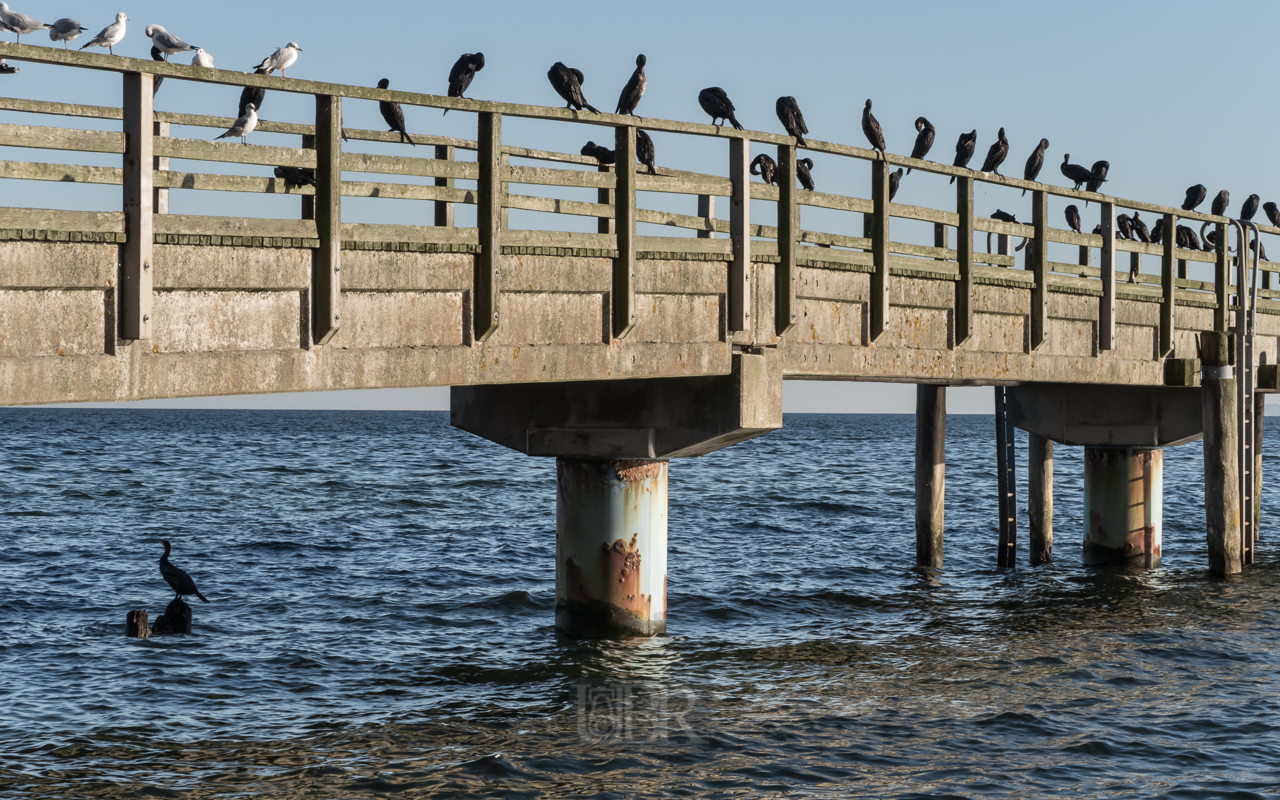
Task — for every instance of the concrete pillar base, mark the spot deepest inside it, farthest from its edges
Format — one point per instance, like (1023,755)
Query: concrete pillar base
(1123,494)
(611,547)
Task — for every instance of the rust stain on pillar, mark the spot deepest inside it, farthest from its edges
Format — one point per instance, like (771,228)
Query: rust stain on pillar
(1123,489)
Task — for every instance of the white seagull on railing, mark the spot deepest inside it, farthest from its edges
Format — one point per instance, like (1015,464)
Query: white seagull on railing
(280,59)
(243,126)
(19,23)
(65,30)
(166,42)
(109,36)
(202,59)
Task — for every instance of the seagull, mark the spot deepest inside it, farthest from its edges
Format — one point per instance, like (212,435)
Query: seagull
(462,72)
(20,23)
(243,126)
(109,36)
(5,69)
(280,59)
(65,30)
(177,578)
(394,115)
(202,59)
(166,42)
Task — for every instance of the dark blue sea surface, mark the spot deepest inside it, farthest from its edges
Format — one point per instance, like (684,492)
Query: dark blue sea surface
(382,595)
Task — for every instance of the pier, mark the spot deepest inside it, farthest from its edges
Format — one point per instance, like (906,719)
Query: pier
(661,334)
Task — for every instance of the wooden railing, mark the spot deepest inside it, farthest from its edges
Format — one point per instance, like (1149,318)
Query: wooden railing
(145,147)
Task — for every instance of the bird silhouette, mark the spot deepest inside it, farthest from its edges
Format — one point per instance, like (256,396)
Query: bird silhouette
(634,90)
(1195,196)
(1074,172)
(1034,162)
(177,578)
(715,101)
(996,154)
(964,150)
(791,118)
(924,139)
(766,168)
(871,127)
(568,84)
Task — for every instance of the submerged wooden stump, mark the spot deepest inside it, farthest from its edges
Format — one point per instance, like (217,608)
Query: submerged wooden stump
(135,624)
(175,619)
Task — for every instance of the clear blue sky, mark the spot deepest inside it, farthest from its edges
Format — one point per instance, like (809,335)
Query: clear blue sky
(1161,90)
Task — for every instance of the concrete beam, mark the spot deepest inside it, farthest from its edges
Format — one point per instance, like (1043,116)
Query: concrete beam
(1108,416)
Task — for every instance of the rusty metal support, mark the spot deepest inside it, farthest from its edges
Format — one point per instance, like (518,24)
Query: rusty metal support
(1107,303)
(931,473)
(611,547)
(1007,482)
(489,221)
(623,291)
(784,274)
(135,267)
(444,208)
(1123,505)
(326,288)
(879,247)
(740,232)
(1221,445)
(1040,497)
(1259,414)
(1167,285)
(964,260)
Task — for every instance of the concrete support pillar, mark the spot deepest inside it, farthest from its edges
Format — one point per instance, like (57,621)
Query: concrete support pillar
(1221,470)
(1123,494)
(931,473)
(611,547)
(1040,497)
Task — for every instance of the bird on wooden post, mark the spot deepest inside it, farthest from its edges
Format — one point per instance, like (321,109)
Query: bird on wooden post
(715,101)
(791,118)
(166,42)
(462,72)
(924,139)
(1124,226)
(177,578)
(568,84)
(252,94)
(19,23)
(281,59)
(895,178)
(602,155)
(1073,218)
(1157,231)
(393,115)
(1250,207)
(871,127)
(1139,227)
(634,90)
(109,36)
(645,152)
(296,176)
(1074,172)
(1272,212)
(1034,162)
(964,150)
(1195,196)
(65,30)
(243,126)
(766,168)
(1220,202)
(996,154)
(804,173)
(1097,176)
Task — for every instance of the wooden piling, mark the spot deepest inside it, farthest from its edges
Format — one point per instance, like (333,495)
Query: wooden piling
(1040,497)
(488,223)
(1221,472)
(785,272)
(444,209)
(740,232)
(624,199)
(931,473)
(964,260)
(707,211)
(326,287)
(1107,303)
(135,624)
(138,174)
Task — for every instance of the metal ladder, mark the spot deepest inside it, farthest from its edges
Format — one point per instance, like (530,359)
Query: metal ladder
(1246,383)
(1007,481)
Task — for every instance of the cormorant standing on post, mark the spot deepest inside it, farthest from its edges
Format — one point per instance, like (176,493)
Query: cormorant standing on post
(871,127)
(996,155)
(601,154)
(645,153)
(568,84)
(1195,196)
(791,118)
(1157,231)
(1097,176)
(766,168)
(294,176)
(1220,202)
(716,102)
(176,578)
(1124,226)
(1004,216)
(1272,213)
(1034,162)
(924,139)
(1140,231)
(1074,172)
(251,94)
(1073,218)
(803,174)
(1250,207)
(964,150)
(634,90)
(462,72)
(895,178)
(394,115)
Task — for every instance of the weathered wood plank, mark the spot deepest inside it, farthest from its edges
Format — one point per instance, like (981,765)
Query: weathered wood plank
(60,173)
(740,235)
(1168,279)
(200,225)
(46,219)
(1107,272)
(429,234)
(589,241)
(235,153)
(763,191)
(924,214)
(677,184)
(547,176)
(684,244)
(409,165)
(674,220)
(1038,256)
(553,205)
(1221,277)
(964,260)
(326,287)
(489,225)
(785,274)
(879,248)
(45,138)
(135,261)
(835,201)
(988,225)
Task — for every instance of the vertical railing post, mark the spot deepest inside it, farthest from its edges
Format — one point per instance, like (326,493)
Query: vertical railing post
(624,209)
(707,210)
(1107,303)
(1221,277)
(1170,240)
(1039,268)
(604,196)
(940,237)
(444,208)
(488,222)
(784,274)
(879,247)
(325,285)
(964,259)
(740,231)
(139,149)
(160,198)
(308,201)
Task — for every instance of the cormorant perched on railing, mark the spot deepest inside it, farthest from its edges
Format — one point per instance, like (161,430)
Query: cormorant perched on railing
(871,127)
(295,176)
(1004,216)
(1272,213)
(634,90)
(1250,207)
(895,178)
(996,155)
(176,578)
(645,152)
(716,102)
(568,84)
(1220,202)
(766,168)
(1073,218)
(1157,231)
(462,72)
(1261,248)
(803,167)
(1034,162)
(1187,239)
(1140,231)
(1097,176)
(924,139)
(156,55)
(1195,196)
(1124,226)
(252,94)
(964,150)
(394,115)
(1074,172)
(791,118)
(601,154)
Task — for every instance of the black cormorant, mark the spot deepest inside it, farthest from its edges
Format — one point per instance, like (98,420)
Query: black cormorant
(634,90)
(1003,216)
(1220,202)
(1186,238)
(924,139)
(1250,207)
(1195,196)
(895,178)
(1097,176)
(1124,226)
(871,127)
(462,72)
(996,154)
(964,150)
(1140,231)
(791,118)
(568,84)
(394,115)
(294,176)
(645,153)
(179,580)
(1157,231)
(716,102)
(803,167)
(601,154)
(251,94)
(766,168)
(156,55)
(1272,213)
(1074,172)
(1034,162)
(1073,218)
